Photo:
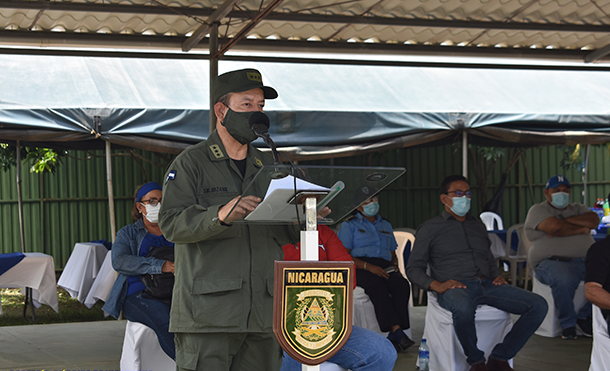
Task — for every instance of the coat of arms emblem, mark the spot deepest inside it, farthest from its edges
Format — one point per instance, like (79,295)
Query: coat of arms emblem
(313,308)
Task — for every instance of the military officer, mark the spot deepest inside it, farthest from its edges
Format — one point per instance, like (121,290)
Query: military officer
(222,308)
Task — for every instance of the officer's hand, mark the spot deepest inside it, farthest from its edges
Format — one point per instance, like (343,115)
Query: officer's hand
(377,270)
(441,287)
(245,206)
(323,213)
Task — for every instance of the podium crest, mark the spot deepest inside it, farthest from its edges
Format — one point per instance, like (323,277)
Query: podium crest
(313,308)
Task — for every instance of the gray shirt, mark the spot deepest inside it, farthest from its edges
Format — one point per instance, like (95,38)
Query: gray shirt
(544,246)
(453,249)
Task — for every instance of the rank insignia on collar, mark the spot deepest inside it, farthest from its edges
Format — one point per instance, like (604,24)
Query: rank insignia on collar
(258,162)
(312,308)
(216,151)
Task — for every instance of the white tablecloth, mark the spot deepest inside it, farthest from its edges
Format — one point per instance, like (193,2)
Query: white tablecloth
(82,269)
(100,290)
(36,270)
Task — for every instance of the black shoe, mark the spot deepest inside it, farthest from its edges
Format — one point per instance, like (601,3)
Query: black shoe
(585,327)
(405,343)
(569,333)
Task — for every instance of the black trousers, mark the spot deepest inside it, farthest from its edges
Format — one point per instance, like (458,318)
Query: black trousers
(390,296)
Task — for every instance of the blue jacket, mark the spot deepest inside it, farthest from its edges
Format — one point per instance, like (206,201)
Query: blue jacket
(366,239)
(126,260)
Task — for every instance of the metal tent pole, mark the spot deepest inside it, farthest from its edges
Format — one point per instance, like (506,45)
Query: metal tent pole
(20,197)
(110,192)
(213,70)
(464,154)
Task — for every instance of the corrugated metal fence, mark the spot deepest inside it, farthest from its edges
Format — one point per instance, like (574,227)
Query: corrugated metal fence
(72,205)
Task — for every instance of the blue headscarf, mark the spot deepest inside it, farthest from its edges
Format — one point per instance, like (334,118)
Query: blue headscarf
(147,188)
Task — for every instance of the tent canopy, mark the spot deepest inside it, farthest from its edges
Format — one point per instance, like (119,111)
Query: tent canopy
(322,110)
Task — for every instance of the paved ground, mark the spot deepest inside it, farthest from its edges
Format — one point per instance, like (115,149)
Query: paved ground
(96,346)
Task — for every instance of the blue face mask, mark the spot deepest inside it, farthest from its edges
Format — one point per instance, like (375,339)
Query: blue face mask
(560,199)
(371,209)
(461,205)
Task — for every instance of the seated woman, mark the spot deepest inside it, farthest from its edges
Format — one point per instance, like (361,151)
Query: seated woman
(365,349)
(129,251)
(370,240)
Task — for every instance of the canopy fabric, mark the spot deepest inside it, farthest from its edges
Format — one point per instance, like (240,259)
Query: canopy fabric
(322,110)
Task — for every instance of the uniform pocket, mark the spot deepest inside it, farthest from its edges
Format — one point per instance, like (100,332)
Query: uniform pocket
(217,301)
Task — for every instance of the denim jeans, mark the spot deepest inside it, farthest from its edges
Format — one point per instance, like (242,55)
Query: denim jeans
(462,303)
(365,350)
(153,314)
(564,278)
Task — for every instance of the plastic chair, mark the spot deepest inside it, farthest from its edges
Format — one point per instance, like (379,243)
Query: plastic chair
(405,240)
(490,218)
(600,353)
(520,256)
(446,352)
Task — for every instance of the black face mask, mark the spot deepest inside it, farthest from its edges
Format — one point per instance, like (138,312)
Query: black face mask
(238,125)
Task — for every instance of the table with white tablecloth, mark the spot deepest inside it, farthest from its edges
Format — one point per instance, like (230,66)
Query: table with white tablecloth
(82,269)
(100,290)
(35,271)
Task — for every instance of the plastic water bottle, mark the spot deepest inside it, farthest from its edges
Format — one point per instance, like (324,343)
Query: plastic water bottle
(424,356)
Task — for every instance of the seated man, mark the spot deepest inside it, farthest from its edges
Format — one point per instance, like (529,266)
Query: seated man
(370,240)
(364,349)
(463,272)
(560,233)
(597,275)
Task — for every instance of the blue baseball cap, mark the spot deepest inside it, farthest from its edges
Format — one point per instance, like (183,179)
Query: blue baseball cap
(555,181)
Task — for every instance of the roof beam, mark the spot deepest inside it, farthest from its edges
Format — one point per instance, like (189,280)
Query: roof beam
(247,28)
(298,17)
(598,54)
(216,17)
(143,42)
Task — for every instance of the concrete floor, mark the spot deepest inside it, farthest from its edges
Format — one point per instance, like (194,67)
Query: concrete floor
(97,346)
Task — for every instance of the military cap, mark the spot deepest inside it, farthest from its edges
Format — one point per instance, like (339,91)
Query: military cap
(240,81)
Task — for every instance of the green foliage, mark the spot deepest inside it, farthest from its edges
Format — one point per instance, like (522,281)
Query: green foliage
(571,158)
(490,153)
(40,159)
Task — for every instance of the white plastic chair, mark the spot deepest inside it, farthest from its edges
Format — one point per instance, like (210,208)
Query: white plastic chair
(600,353)
(446,352)
(141,350)
(550,327)
(403,237)
(520,256)
(490,218)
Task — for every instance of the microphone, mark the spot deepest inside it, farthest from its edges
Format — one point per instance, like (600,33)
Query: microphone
(259,123)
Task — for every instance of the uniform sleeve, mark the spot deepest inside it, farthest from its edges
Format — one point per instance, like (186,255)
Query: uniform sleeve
(346,235)
(126,262)
(181,219)
(418,260)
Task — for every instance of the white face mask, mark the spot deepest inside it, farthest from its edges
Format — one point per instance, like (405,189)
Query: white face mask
(152,213)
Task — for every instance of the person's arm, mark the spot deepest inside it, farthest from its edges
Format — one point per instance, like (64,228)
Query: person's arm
(182,218)
(595,293)
(555,227)
(126,262)
(588,219)
(418,260)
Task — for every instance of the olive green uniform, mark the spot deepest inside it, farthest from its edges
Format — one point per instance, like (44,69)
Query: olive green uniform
(224,274)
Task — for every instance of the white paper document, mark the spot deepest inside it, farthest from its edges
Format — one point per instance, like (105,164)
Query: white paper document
(276,205)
